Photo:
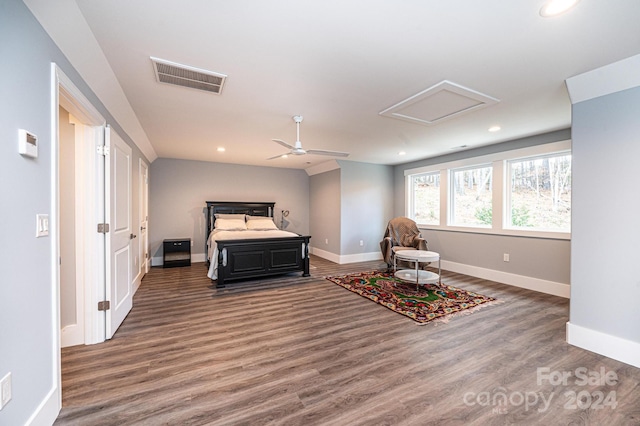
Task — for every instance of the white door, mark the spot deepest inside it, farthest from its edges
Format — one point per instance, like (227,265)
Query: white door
(144,217)
(119,238)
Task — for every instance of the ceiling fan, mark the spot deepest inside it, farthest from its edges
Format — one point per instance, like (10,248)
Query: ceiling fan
(297,149)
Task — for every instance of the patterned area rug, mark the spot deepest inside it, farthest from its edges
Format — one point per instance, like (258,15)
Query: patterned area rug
(431,302)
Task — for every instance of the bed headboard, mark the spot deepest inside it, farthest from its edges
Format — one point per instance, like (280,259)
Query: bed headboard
(235,207)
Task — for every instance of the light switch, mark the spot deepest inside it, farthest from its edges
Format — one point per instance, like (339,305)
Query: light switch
(5,390)
(42,225)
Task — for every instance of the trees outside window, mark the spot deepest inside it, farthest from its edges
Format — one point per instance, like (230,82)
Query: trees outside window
(426,198)
(539,190)
(524,191)
(471,196)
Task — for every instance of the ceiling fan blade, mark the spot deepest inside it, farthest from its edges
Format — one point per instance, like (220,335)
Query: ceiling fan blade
(277,156)
(283,143)
(323,152)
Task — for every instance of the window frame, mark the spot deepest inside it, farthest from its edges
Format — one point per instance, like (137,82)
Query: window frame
(452,195)
(411,206)
(508,190)
(499,163)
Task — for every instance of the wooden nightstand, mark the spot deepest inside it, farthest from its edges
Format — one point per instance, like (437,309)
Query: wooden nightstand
(176,252)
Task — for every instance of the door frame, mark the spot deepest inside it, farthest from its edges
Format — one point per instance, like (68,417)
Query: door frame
(143,210)
(65,93)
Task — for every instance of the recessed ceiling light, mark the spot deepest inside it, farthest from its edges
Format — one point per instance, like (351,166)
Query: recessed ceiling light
(401,153)
(494,128)
(285,156)
(221,149)
(556,7)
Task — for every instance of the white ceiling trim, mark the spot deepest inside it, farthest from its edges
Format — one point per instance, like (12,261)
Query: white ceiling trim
(612,78)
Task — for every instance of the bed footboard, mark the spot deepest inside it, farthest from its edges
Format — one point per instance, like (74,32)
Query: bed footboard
(245,259)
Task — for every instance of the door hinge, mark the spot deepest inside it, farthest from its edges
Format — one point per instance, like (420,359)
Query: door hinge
(105,305)
(103,228)
(103,150)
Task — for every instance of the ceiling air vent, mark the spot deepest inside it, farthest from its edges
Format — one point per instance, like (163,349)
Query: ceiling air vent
(186,76)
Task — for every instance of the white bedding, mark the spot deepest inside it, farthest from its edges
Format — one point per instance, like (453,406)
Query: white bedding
(218,235)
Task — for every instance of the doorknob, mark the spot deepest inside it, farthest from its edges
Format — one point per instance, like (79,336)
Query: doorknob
(132,236)
(142,228)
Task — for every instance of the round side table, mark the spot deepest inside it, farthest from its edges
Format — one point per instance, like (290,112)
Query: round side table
(417,275)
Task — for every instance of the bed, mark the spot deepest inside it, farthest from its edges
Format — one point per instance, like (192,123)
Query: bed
(235,254)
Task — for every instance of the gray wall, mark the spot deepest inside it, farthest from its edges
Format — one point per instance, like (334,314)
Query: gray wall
(179,190)
(349,205)
(27,293)
(324,196)
(605,285)
(546,259)
(366,195)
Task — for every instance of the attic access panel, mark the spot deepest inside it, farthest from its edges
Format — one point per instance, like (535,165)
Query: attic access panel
(443,101)
(186,76)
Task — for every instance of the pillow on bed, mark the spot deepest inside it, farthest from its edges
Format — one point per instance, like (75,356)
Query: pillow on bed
(230,224)
(260,223)
(229,216)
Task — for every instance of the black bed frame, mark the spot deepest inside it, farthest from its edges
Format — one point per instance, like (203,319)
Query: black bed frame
(255,258)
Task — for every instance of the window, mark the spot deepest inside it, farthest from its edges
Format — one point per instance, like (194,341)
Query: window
(471,195)
(524,192)
(426,198)
(539,193)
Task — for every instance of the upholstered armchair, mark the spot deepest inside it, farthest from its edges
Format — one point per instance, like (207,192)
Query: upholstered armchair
(402,234)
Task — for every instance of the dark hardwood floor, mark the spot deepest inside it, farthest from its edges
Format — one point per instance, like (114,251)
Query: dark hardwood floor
(303,351)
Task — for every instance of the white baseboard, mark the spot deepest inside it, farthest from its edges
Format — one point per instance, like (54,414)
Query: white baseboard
(71,335)
(360,257)
(195,258)
(48,410)
(530,283)
(604,344)
(335,258)
(347,258)
(137,281)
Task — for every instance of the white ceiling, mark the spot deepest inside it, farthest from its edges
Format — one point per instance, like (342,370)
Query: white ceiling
(341,63)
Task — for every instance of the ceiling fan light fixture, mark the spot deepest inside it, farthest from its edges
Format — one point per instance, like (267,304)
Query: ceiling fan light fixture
(297,149)
(556,7)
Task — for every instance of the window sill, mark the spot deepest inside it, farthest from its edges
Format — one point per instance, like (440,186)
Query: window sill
(506,232)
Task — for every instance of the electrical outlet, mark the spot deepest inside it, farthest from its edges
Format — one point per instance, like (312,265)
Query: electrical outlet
(5,390)
(326,241)
(505,257)
(361,243)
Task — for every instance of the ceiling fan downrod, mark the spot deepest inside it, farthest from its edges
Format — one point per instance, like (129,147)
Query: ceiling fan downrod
(298,119)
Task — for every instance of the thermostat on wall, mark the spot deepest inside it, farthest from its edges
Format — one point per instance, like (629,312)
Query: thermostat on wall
(27,143)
